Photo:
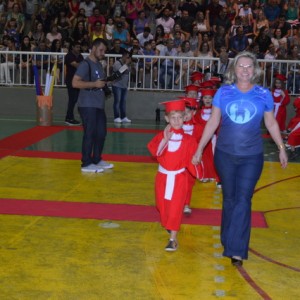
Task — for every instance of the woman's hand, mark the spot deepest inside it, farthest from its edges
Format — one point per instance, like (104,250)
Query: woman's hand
(283,158)
(197,158)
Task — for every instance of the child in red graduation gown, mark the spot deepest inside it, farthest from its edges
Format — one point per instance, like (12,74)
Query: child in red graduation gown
(201,117)
(173,150)
(194,129)
(281,100)
(294,132)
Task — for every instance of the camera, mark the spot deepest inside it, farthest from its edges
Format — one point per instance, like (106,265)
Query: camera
(116,75)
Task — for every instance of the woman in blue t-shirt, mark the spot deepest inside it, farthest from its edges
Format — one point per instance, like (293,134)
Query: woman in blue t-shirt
(238,108)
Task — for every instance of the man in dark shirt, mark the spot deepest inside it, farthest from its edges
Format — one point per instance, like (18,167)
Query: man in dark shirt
(214,9)
(238,43)
(222,20)
(72,60)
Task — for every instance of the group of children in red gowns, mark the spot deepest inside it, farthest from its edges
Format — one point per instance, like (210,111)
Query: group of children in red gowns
(176,145)
(174,149)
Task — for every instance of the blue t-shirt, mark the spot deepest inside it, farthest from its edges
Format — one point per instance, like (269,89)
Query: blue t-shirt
(242,113)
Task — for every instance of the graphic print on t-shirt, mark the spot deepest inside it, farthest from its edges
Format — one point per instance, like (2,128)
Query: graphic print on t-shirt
(240,111)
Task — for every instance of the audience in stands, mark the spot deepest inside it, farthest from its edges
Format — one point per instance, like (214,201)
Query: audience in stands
(206,28)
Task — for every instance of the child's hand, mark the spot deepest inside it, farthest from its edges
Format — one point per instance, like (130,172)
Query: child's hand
(167,133)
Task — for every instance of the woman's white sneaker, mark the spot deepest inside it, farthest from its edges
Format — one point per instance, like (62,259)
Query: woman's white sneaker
(126,120)
(92,168)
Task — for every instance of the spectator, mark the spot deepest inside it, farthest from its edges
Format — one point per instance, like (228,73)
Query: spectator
(13,31)
(80,33)
(122,34)
(73,9)
(159,35)
(186,23)
(284,26)
(144,36)
(295,39)
(272,12)
(9,63)
(166,21)
(191,6)
(37,34)
(167,65)
(279,41)
(238,43)
(120,89)
(64,24)
(81,18)
(41,60)
(18,17)
(53,34)
(96,17)
(149,64)
(140,23)
(44,18)
(220,39)
(161,6)
(116,49)
(294,71)
(222,20)
(97,31)
(246,13)
(202,21)
(195,39)
(26,61)
(248,30)
(117,8)
(223,65)
(88,7)
(109,28)
(131,12)
(291,10)
(185,66)
(72,61)
(205,54)
(56,47)
(30,8)
(259,22)
(263,40)
(213,9)
(270,68)
(232,9)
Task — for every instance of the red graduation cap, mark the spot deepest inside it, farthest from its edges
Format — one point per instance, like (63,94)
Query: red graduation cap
(208,84)
(215,79)
(297,103)
(208,92)
(191,87)
(196,76)
(174,105)
(190,102)
(280,77)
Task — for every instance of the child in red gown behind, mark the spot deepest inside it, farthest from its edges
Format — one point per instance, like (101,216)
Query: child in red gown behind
(201,117)
(293,130)
(281,100)
(173,150)
(194,129)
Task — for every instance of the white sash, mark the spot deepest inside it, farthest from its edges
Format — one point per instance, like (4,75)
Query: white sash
(170,180)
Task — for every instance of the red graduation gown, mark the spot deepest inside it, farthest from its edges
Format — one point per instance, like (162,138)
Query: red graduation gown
(178,159)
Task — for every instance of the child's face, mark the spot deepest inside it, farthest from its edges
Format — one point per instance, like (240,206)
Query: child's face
(207,100)
(278,84)
(189,113)
(175,119)
(148,47)
(192,94)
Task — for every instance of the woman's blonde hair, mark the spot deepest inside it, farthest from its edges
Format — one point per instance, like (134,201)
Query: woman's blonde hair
(230,76)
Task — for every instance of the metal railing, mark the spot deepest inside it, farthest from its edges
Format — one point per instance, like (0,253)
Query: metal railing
(155,73)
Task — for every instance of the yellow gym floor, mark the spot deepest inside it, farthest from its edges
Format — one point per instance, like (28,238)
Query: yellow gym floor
(67,235)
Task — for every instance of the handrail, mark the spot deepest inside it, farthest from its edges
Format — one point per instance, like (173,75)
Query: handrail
(143,76)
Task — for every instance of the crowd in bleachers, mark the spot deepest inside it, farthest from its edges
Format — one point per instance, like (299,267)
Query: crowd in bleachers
(202,29)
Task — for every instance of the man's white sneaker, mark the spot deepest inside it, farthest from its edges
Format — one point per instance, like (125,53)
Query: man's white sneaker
(92,168)
(104,164)
(126,120)
(118,120)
